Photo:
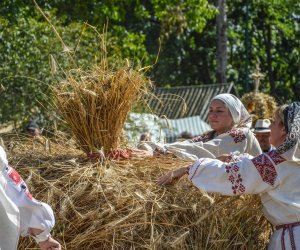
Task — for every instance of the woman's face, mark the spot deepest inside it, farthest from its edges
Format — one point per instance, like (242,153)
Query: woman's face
(278,132)
(219,117)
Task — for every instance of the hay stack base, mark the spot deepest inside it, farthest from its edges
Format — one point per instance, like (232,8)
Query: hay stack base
(117,205)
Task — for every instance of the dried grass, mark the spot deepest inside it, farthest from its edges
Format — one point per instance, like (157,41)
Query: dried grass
(260,105)
(95,103)
(117,205)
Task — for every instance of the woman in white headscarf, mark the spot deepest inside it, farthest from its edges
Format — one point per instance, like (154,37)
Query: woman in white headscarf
(274,175)
(230,123)
(20,213)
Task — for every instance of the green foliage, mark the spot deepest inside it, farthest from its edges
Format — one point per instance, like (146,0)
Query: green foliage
(28,42)
(274,39)
(24,72)
(182,31)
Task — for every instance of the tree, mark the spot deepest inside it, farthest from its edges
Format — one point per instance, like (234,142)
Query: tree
(184,31)
(134,30)
(274,34)
(221,42)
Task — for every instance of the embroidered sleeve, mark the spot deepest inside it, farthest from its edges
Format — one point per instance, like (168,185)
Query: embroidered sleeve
(33,213)
(265,165)
(17,182)
(235,157)
(233,178)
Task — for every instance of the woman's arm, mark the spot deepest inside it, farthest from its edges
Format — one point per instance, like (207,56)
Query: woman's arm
(36,218)
(234,178)
(173,176)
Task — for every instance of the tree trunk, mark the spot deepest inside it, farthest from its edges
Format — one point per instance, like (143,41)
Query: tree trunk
(221,42)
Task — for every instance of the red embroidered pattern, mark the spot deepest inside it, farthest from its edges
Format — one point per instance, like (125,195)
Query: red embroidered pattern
(14,175)
(232,158)
(277,158)
(235,178)
(265,168)
(18,181)
(237,135)
(28,194)
(203,138)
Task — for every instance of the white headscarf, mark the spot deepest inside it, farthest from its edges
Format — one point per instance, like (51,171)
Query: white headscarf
(239,113)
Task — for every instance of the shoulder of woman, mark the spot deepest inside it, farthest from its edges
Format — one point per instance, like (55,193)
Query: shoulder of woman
(268,159)
(266,165)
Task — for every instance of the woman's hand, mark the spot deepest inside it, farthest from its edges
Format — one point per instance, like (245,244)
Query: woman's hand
(139,153)
(172,176)
(50,244)
(159,151)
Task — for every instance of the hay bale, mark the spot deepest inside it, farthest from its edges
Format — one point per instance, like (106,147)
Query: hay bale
(95,103)
(117,205)
(259,105)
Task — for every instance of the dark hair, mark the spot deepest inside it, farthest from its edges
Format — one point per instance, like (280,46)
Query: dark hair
(32,125)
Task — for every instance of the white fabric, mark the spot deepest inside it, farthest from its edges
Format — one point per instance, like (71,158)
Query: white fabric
(237,109)
(19,211)
(9,214)
(293,154)
(43,236)
(9,222)
(269,174)
(275,240)
(238,140)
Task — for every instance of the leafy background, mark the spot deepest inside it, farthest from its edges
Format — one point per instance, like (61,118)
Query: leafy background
(181,32)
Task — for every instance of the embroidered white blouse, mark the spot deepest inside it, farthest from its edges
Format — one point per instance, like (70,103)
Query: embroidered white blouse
(19,211)
(269,174)
(237,141)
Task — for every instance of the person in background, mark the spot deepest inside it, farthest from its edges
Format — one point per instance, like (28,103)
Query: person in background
(262,132)
(32,129)
(145,137)
(20,213)
(274,175)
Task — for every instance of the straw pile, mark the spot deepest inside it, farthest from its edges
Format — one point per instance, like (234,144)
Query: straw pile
(95,103)
(259,105)
(117,205)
